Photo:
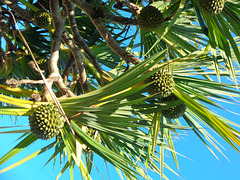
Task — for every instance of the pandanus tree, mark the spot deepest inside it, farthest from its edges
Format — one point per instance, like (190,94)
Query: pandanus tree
(118,79)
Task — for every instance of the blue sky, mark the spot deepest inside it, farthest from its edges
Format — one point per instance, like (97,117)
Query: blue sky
(200,164)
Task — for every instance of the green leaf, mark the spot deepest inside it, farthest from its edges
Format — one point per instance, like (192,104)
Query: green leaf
(42,150)
(18,148)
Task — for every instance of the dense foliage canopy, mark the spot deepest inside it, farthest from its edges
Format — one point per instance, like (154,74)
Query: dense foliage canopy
(99,77)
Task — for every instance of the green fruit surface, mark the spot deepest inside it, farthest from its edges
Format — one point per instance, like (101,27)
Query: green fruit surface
(175,111)
(42,19)
(163,83)
(46,122)
(150,18)
(212,7)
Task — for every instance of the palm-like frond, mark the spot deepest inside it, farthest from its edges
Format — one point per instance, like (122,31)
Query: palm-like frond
(201,53)
(107,111)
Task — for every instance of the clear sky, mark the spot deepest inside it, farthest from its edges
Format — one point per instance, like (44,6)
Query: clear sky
(200,164)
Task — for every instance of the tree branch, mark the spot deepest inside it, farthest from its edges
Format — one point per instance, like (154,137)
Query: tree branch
(78,60)
(58,23)
(13,83)
(121,20)
(105,34)
(78,38)
(13,4)
(66,71)
(133,7)
(32,65)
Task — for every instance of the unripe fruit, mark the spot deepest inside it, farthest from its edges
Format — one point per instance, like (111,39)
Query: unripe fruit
(163,83)
(175,111)
(93,134)
(150,18)
(46,122)
(42,19)
(212,7)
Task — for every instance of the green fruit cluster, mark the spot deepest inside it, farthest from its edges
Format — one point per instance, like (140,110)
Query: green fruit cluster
(212,7)
(93,134)
(42,19)
(150,18)
(46,122)
(163,83)
(173,112)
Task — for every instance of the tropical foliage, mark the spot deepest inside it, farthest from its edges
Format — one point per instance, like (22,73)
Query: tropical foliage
(95,65)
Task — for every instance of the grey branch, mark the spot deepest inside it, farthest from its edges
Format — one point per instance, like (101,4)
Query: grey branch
(121,20)
(133,7)
(58,23)
(13,4)
(105,34)
(66,71)
(13,83)
(32,65)
(36,97)
(78,60)
(78,38)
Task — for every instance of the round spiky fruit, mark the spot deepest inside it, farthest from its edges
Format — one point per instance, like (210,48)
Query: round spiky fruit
(163,83)
(150,18)
(42,19)
(93,134)
(175,111)
(212,7)
(46,122)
